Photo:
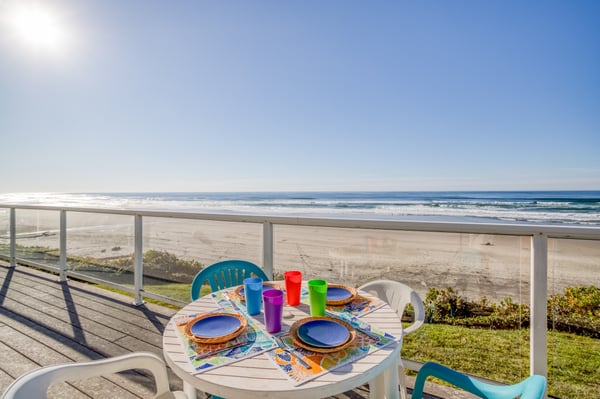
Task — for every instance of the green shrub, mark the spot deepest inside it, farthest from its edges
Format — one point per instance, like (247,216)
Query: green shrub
(445,304)
(584,301)
(577,310)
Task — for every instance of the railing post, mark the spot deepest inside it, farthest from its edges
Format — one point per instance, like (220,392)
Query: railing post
(538,356)
(138,264)
(63,247)
(267,260)
(13,237)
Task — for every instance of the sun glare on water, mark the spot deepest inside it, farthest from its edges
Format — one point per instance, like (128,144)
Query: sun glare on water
(37,28)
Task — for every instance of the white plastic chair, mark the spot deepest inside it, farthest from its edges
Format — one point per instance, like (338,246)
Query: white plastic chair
(35,383)
(398,295)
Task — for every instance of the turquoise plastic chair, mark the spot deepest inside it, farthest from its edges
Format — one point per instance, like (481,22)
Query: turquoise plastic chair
(224,274)
(533,387)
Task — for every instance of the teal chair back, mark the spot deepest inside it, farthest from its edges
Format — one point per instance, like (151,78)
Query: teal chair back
(533,387)
(224,274)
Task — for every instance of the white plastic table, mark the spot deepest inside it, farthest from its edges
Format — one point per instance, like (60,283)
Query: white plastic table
(258,376)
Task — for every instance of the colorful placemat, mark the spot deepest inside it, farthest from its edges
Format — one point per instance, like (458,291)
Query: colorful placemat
(227,299)
(203,357)
(359,306)
(368,340)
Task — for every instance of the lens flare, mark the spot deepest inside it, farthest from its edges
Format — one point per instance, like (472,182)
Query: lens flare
(38,28)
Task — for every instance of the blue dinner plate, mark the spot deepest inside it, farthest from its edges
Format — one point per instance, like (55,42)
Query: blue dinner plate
(323,333)
(265,288)
(338,294)
(215,326)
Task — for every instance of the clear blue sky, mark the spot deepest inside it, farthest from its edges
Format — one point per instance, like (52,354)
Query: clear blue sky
(138,95)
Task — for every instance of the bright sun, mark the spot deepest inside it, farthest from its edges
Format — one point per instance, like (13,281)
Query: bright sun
(38,28)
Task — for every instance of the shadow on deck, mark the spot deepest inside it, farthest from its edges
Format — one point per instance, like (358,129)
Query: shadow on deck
(44,322)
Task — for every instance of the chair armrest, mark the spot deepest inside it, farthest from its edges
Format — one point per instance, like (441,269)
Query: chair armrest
(419,310)
(35,383)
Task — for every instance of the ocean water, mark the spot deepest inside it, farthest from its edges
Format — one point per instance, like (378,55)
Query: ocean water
(548,207)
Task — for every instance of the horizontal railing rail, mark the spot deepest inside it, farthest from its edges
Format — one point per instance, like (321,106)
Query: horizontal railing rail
(517,229)
(539,235)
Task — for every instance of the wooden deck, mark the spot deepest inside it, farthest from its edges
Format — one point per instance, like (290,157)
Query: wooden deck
(44,322)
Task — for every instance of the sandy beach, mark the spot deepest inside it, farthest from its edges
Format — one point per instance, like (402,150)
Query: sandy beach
(473,265)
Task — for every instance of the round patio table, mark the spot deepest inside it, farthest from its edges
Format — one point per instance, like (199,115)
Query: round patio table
(258,376)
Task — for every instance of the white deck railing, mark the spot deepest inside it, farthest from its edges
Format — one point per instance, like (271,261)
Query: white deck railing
(538,234)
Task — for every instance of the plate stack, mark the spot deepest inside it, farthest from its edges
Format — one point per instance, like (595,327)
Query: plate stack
(215,328)
(323,334)
(340,294)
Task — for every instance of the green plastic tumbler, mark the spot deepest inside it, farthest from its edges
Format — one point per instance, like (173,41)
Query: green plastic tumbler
(317,293)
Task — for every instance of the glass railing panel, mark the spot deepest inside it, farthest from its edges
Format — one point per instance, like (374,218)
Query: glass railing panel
(37,237)
(175,250)
(574,318)
(4,233)
(475,288)
(101,246)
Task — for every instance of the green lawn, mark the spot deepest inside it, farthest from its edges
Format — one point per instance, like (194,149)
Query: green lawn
(178,291)
(503,355)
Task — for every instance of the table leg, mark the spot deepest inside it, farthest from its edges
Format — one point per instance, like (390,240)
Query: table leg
(385,385)
(402,380)
(390,376)
(376,387)
(189,390)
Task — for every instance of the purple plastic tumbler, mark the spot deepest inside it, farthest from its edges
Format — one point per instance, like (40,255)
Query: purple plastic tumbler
(273,302)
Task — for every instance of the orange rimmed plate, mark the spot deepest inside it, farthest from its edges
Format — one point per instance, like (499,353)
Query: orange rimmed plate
(340,294)
(215,328)
(323,334)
